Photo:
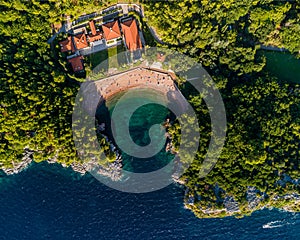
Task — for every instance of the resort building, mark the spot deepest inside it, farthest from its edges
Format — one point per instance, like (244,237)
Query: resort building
(111,31)
(119,31)
(93,27)
(80,41)
(131,34)
(76,63)
(67,45)
(94,35)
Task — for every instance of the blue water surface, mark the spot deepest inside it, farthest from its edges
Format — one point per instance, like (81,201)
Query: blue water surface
(50,202)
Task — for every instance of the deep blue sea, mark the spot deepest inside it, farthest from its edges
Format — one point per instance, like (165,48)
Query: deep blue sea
(50,202)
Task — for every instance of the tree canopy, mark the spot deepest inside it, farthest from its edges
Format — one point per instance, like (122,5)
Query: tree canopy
(37,92)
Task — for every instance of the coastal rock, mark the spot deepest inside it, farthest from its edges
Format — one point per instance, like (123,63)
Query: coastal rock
(19,166)
(189,197)
(53,159)
(253,198)
(112,170)
(292,196)
(231,205)
(77,167)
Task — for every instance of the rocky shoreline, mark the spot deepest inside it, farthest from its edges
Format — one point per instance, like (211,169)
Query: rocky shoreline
(20,166)
(255,201)
(112,170)
(255,198)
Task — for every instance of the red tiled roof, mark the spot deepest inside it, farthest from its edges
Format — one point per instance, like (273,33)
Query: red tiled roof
(93,38)
(80,41)
(67,45)
(77,63)
(132,37)
(111,30)
(93,28)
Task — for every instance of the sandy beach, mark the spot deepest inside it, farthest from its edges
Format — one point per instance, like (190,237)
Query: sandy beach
(158,80)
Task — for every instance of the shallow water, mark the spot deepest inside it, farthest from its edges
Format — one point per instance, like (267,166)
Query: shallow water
(140,122)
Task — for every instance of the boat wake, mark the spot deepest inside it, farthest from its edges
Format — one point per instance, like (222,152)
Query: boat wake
(277,224)
(274,224)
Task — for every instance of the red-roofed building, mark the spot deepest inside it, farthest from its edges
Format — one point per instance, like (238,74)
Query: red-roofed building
(67,45)
(93,38)
(131,34)
(76,63)
(80,41)
(111,30)
(93,28)
(95,35)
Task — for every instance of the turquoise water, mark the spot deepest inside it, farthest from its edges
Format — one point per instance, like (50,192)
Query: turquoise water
(140,122)
(50,202)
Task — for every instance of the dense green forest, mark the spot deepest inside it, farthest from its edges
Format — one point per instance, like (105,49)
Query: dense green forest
(263,139)
(227,32)
(37,94)
(263,135)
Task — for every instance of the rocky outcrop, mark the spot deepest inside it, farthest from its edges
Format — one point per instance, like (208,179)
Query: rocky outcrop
(112,170)
(254,197)
(19,166)
(231,205)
